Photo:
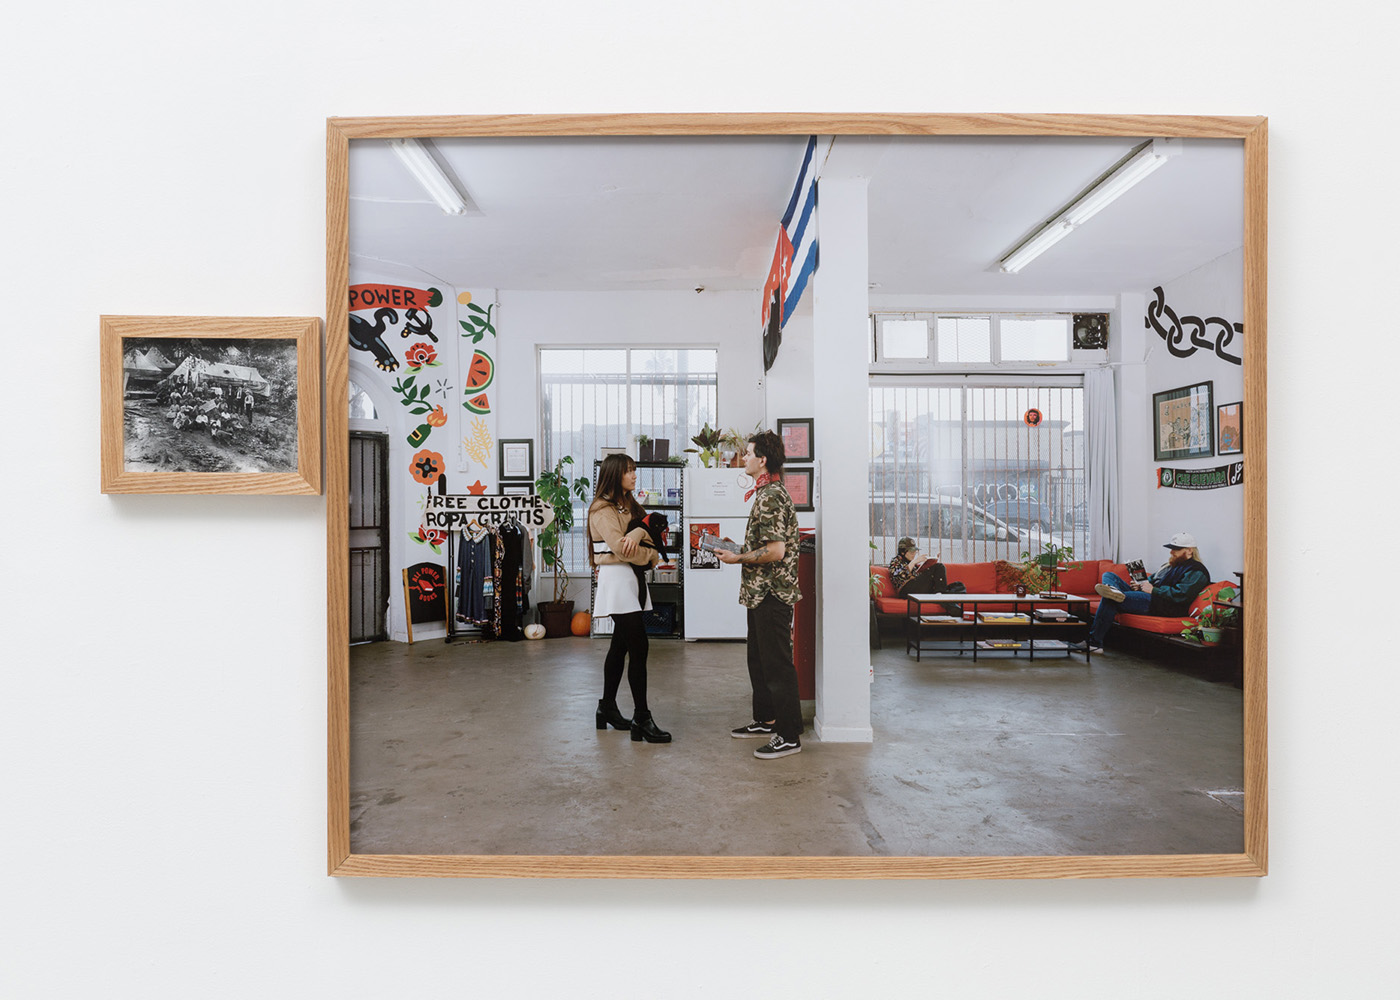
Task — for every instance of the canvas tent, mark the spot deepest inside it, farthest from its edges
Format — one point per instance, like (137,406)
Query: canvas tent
(196,371)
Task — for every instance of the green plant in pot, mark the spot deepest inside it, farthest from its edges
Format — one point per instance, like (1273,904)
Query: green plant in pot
(557,489)
(1208,626)
(644,448)
(706,445)
(1041,572)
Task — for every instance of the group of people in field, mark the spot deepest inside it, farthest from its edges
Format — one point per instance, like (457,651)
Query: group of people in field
(200,406)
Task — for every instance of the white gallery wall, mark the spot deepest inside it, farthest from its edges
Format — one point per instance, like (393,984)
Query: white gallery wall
(162,684)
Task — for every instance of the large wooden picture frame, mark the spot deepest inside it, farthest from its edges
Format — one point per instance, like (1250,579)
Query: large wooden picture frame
(276,438)
(1251,861)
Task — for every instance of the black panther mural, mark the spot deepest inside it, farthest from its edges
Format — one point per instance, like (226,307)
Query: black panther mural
(366,337)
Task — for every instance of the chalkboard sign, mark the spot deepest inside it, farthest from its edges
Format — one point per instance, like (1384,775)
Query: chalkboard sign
(425,594)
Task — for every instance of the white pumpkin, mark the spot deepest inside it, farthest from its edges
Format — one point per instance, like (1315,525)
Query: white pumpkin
(534,631)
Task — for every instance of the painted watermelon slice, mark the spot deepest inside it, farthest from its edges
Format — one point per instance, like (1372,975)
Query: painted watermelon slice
(480,373)
(478,403)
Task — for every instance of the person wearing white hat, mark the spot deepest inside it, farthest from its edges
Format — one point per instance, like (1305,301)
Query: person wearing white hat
(1167,593)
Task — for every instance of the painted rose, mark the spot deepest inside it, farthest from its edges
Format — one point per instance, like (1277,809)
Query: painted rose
(427,467)
(420,355)
(432,537)
(438,417)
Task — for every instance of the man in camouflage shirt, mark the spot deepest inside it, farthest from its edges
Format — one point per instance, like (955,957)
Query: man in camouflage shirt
(768,588)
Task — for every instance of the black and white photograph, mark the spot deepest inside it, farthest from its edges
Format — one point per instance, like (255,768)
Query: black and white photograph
(201,404)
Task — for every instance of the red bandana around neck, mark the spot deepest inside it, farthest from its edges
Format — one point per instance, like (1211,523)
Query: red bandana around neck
(764,478)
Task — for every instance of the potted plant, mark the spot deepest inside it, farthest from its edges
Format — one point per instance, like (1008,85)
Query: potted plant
(1042,571)
(558,490)
(1208,626)
(732,445)
(707,445)
(644,448)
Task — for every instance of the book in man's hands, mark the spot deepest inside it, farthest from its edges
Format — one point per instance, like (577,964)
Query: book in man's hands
(713,543)
(1136,571)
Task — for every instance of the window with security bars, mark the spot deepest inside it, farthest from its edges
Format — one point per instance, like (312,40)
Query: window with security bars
(603,397)
(977,472)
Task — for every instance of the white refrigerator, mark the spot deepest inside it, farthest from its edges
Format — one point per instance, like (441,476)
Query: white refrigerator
(714,503)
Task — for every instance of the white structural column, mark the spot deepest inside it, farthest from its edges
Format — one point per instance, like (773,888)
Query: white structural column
(1131,349)
(840,319)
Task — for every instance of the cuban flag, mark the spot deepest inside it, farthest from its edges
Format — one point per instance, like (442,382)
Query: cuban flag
(794,258)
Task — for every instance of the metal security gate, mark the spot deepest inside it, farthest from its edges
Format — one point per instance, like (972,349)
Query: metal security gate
(369,536)
(976,472)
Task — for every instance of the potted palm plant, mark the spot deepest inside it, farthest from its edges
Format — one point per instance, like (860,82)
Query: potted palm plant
(707,445)
(558,490)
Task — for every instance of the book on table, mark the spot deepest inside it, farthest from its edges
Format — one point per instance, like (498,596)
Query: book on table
(1051,614)
(1003,618)
(940,619)
(1000,644)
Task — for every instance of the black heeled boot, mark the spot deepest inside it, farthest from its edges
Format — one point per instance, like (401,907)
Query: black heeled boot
(644,728)
(609,715)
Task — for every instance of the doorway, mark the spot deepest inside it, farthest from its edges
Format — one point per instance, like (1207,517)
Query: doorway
(369,536)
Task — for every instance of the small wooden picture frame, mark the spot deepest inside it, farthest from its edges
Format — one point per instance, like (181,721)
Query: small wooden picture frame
(1229,429)
(798,440)
(798,483)
(211,404)
(516,459)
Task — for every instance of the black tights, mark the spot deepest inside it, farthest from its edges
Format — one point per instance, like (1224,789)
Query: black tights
(629,643)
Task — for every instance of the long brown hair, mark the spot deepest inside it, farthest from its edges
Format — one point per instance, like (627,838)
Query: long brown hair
(609,492)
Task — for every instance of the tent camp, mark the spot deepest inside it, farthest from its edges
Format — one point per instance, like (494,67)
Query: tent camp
(196,371)
(144,367)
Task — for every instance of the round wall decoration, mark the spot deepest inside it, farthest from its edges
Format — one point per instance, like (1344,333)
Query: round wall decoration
(1033,417)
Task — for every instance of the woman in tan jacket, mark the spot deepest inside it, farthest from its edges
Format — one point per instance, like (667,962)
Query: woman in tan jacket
(621,559)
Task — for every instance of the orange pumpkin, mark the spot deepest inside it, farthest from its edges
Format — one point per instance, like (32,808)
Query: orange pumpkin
(581,623)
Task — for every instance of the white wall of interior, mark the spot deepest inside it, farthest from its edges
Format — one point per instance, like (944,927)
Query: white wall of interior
(162,705)
(1215,517)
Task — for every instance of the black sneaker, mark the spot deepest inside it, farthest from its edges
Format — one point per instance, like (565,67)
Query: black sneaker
(754,730)
(1087,646)
(778,747)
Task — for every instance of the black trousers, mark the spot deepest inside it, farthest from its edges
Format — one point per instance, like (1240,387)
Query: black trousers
(771,670)
(931,579)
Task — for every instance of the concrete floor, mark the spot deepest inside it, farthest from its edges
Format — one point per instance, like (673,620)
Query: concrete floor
(490,748)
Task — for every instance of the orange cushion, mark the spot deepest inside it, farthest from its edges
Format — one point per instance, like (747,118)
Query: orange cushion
(1078,577)
(882,575)
(1151,623)
(978,578)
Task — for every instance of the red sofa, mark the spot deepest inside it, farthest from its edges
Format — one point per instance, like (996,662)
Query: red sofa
(1076,578)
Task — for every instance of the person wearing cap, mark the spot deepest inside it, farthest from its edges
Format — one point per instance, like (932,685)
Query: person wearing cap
(1167,593)
(912,572)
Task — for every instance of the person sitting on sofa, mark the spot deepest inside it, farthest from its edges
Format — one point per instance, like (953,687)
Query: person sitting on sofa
(911,572)
(1167,593)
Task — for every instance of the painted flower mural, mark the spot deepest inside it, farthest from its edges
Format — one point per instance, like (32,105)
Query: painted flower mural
(420,355)
(427,467)
(431,537)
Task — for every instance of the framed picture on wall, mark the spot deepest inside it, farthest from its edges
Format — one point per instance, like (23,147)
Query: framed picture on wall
(211,404)
(798,483)
(1229,429)
(797,438)
(517,489)
(385,819)
(517,459)
(1183,423)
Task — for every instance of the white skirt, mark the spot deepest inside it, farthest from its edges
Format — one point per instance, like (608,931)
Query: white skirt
(617,592)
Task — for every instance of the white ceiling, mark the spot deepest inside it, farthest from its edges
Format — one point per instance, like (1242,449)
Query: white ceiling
(676,213)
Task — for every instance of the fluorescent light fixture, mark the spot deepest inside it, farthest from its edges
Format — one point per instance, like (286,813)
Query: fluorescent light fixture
(1093,200)
(427,172)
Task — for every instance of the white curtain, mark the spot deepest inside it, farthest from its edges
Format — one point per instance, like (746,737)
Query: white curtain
(1101,412)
